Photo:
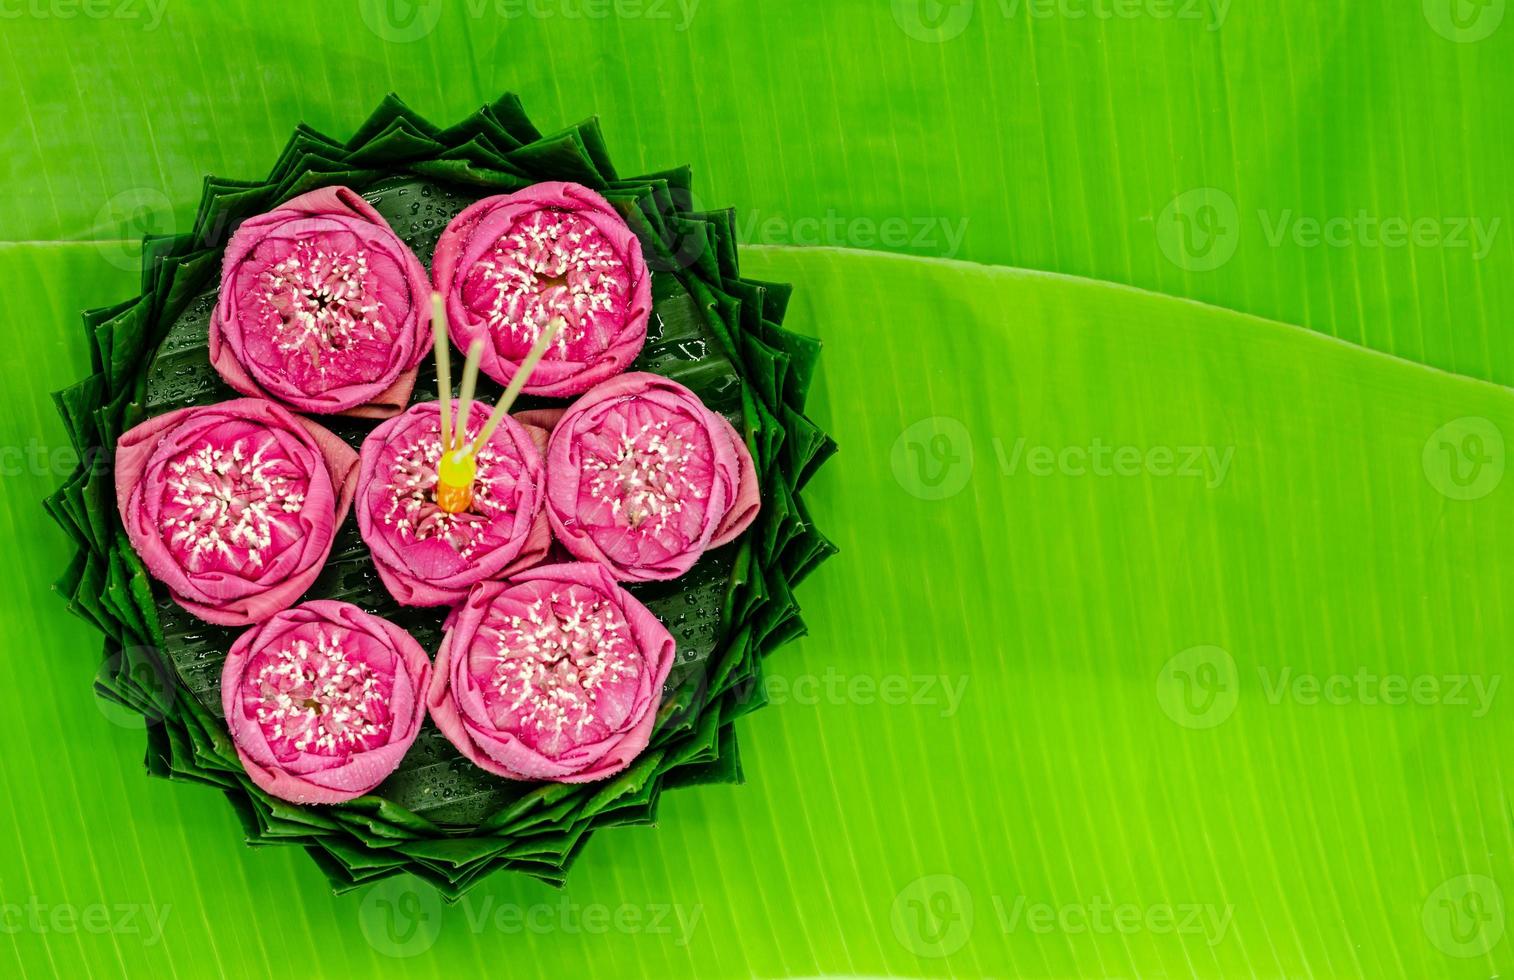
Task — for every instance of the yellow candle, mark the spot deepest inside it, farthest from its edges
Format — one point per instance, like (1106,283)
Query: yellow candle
(454,481)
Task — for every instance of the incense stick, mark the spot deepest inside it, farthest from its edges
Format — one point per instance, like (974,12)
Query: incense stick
(443,350)
(465,397)
(502,407)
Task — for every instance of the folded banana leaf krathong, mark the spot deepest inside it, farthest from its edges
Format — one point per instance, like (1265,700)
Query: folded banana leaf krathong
(440,817)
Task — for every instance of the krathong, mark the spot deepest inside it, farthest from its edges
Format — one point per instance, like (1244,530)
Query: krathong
(656,722)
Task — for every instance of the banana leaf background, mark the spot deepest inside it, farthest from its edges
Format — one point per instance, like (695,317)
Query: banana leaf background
(1229,702)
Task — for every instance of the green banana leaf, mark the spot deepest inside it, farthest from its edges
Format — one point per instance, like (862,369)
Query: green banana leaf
(1047,722)
(1034,691)
(1049,134)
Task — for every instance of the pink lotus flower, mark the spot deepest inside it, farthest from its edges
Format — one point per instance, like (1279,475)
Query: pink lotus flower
(323,701)
(557,675)
(643,478)
(322,308)
(510,264)
(233,506)
(426,556)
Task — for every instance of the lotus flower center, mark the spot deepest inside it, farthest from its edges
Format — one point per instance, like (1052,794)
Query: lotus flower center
(225,499)
(553,263)
(642,479)
(554,663)
(314,697)
(322,299)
